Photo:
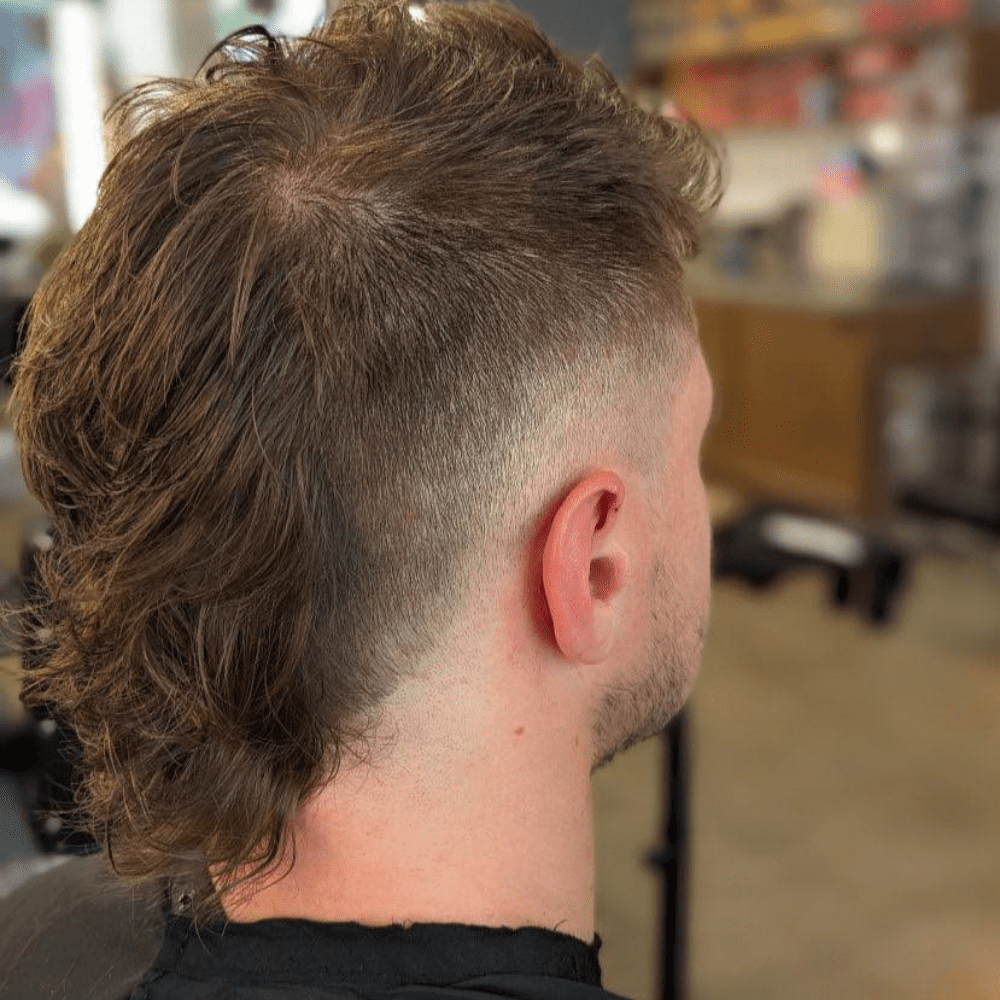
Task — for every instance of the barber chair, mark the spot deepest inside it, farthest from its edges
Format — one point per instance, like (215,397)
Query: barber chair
(12,312)
(15,294)
(41,753)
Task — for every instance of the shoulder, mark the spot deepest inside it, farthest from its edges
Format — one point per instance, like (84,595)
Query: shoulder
(73,930)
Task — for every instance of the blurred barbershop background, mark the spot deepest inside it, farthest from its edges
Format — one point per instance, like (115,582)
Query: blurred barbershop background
(824,818)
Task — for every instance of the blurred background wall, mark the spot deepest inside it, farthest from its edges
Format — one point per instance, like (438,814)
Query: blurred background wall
(585,26)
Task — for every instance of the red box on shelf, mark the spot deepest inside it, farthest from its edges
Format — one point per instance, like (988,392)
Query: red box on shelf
(875,59)
(884,15)
(865,104)
(939,11)
(711,94)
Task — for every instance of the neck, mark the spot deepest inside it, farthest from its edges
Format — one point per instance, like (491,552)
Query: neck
(494,829)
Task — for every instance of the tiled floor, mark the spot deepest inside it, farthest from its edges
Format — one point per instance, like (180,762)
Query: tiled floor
(846,803)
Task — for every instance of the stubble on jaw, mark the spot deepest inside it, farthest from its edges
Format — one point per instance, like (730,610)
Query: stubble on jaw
(643,705)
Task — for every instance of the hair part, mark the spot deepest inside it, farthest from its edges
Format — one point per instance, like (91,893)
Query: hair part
(275,390)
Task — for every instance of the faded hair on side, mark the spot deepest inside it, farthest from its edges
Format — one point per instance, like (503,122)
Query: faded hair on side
(275,390)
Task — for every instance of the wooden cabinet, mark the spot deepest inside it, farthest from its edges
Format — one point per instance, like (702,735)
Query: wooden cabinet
(800,392)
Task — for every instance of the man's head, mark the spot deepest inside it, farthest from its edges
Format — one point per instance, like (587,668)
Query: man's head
(352,319)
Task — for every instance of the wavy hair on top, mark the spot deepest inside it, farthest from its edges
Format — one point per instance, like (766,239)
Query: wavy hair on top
(276,388)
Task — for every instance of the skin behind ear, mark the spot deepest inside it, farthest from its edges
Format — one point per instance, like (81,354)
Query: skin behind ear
(583,569)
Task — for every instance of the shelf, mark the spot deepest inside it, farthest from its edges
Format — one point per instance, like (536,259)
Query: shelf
(980,41)
(838,130)
(780,36)
(770,35)
(815,297)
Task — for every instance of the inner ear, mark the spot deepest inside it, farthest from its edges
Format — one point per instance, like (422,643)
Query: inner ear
(606,505)
(603,578)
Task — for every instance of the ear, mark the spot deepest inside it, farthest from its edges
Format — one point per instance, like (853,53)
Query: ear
(583,570)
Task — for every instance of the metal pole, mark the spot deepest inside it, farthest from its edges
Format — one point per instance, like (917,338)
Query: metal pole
(672,859)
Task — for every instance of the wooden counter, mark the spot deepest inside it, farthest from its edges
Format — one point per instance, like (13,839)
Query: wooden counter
(800,379)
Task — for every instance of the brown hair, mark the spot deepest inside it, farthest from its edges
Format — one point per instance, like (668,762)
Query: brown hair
(271,392)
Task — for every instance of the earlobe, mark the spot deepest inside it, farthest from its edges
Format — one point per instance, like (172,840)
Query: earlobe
(583,570)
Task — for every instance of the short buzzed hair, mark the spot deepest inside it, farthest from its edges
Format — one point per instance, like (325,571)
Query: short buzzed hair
(276,388)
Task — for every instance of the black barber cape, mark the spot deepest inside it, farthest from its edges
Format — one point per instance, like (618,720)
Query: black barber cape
(72,932)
